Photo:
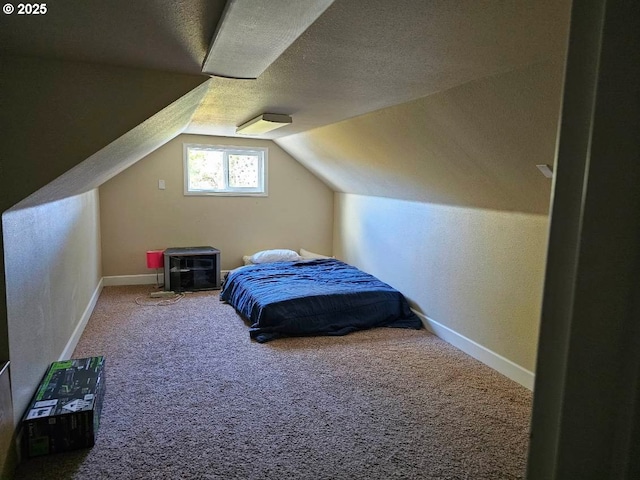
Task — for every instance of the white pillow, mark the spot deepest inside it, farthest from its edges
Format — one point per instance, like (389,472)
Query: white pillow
(307,254)
(276,255)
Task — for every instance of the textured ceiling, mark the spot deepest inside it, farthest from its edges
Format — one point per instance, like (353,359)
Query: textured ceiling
(358,57)
(170,35)
(363,56)
(475,145)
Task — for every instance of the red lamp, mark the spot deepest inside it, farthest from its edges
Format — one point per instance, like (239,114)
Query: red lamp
(155,260)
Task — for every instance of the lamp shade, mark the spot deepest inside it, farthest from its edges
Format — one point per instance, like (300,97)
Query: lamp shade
(154,259)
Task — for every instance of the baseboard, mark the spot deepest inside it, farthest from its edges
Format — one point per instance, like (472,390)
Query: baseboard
(143,279)
(490,358)
(77,333)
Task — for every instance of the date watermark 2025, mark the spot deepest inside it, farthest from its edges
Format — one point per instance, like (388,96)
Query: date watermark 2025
(25,9)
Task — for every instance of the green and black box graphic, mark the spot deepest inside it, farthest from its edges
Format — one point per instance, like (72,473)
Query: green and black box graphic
(65,411)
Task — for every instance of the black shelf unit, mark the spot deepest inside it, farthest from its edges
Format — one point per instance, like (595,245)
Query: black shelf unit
(189,269)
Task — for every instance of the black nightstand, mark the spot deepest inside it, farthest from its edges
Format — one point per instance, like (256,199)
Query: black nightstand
(191,269)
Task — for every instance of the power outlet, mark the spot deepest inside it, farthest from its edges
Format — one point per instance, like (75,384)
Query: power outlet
(162,294)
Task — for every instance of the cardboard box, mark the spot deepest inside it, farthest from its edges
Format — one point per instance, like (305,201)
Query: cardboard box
(65,411)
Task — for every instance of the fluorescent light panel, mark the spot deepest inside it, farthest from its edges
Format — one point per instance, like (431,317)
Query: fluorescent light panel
(263,123)
(252,34)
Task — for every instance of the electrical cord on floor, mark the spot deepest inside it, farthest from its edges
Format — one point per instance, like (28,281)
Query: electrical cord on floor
(161,303)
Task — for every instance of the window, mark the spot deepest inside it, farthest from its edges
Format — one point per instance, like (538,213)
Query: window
(221,170)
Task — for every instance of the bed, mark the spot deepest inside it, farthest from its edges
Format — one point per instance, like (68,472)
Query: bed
(321,296)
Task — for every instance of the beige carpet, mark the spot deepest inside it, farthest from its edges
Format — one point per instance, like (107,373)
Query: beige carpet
(189,396)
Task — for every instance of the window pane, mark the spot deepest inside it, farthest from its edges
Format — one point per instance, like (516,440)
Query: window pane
(219,170)
(206,170)
(243,171)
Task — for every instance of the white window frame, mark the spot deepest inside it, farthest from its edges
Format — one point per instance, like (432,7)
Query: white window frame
(227,150)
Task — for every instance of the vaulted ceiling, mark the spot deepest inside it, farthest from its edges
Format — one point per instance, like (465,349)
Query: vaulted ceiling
(358,57)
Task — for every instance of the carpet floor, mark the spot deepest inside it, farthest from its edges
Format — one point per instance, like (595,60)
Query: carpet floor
(190,396)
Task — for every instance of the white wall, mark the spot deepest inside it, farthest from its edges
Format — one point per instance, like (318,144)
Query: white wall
(136,216)
(478,272)
(53,269)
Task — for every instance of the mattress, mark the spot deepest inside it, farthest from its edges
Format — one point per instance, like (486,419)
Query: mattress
(313,297)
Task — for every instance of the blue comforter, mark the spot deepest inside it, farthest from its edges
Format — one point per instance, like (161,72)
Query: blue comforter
(313,297)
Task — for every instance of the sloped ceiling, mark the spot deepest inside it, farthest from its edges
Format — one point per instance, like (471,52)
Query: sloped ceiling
(358,57)
(53,123)
(167,35)
(117,156)
(361,56)
(88,75)
(475,145)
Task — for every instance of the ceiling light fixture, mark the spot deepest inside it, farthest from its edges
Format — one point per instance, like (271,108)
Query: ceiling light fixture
(252,34)
(263,123)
